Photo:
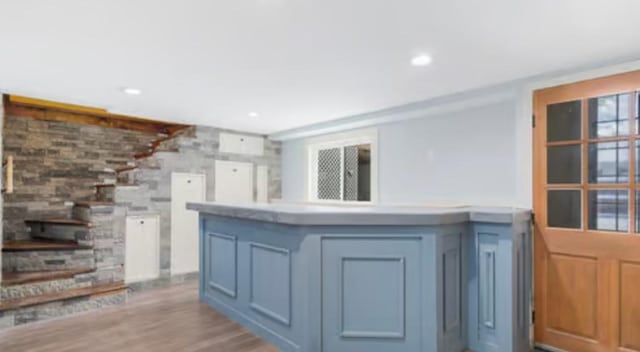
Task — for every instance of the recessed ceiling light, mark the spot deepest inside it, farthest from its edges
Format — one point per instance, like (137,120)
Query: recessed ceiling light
(421,60)
(132,91)
(253,114)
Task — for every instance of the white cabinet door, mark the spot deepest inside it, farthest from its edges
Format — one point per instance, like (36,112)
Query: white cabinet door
(234,182)
(185,249)
(142,251)
(241,144)
(262,184)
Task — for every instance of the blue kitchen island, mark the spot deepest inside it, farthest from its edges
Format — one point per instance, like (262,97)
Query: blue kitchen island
(370,279)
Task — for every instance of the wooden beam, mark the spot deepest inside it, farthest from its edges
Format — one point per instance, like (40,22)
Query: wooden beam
(54,111)
(26,101)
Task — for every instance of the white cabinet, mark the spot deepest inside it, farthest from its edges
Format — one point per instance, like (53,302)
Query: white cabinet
(233,182)
(241,144)
(142,251)
(185,247)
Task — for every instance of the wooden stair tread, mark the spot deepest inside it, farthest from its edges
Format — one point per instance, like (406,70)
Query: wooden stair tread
(119,184)
(94,203)
(126,168)
(26,277)
(143,155)
(41,245)
(73,222)
(63,295)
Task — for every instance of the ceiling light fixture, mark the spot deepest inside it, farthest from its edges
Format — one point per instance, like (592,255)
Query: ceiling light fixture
(253,114)
(132,91)
(421,60)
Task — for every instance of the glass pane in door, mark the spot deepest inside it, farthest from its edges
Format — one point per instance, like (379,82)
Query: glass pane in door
(609,210)
(609,116)
(609,162)
(564,164)
(564,121)
(564,209)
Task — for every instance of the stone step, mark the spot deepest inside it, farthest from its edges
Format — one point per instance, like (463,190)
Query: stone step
(78,229)
(87,210)
(40,244)
(91,291)
(31,289)
(105,192)
(29,277)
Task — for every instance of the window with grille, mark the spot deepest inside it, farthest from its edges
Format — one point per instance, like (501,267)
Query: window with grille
(341,168)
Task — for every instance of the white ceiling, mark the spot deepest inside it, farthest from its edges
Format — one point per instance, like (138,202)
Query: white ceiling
(295,62)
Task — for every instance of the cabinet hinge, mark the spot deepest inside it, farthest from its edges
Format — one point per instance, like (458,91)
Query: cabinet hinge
(533,218)
(533,121)
(533,317)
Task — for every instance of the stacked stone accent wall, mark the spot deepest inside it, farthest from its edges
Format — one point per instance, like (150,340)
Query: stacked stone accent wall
(59,162)
(1,186)
(194,151)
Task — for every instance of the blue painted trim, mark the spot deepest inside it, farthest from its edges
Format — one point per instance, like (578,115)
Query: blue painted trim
(429,268)
(231,292)
(286,320)
(373,334)
(487,285)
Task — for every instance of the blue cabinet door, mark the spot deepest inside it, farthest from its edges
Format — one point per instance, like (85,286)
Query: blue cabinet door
(371,295)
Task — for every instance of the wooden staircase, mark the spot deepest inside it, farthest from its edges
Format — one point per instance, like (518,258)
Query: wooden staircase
(38,244)
(29,277)
(52,280)
(125,175)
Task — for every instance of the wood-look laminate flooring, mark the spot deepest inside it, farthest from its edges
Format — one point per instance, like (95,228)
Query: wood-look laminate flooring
(168,319)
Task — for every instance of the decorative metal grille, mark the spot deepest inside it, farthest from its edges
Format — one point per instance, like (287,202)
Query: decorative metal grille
(329,173)
(351,173)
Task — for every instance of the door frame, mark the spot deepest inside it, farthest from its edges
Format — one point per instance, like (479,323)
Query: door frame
(578,90)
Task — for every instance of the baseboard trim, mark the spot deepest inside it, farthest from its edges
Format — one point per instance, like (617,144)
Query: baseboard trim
(162,282)
(546,348)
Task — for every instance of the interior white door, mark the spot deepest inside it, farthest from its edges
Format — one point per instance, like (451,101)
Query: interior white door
(142,248)
(184,223)
(233,182)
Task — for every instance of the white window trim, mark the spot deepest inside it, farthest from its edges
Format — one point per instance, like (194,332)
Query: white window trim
(340,140)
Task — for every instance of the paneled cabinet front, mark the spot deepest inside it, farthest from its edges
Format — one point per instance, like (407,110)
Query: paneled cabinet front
(252,281)
(371,295)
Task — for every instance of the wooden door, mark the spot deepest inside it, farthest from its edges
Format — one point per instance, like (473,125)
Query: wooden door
(185,246)
(587,230)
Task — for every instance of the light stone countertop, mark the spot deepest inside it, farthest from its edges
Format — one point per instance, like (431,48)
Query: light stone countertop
(318,215)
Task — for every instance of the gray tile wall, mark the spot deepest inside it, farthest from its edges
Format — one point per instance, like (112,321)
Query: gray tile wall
(58,162)
(193,152)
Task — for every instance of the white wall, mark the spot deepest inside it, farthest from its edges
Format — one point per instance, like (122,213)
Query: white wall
(444,159)
(470,148)
(436,159)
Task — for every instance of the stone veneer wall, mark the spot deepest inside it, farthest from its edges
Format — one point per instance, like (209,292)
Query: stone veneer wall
(193,152)
(59,162)
(1,185)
